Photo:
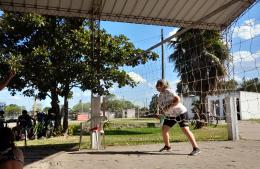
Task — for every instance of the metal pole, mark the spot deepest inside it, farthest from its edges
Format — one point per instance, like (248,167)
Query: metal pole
(163,76)
(34,106)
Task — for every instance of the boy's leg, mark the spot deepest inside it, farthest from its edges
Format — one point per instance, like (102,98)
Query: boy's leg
(190,136)
(166,139)
(165,135)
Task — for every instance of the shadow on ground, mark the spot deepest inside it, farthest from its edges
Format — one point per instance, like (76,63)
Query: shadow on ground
(38,152)
(127,153)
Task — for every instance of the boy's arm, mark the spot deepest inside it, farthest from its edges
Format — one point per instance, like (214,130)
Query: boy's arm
(174,102)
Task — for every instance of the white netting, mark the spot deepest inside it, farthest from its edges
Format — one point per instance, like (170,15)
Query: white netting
(209,66)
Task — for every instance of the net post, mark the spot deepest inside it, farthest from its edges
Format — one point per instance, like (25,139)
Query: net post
(231,117)
(95,120)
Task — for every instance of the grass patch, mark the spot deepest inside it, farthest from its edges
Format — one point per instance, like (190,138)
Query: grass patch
(256,120)
(132,132)
(137,136)
(53,142)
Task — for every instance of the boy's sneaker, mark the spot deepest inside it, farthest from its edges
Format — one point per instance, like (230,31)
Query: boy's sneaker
(195,151)
(165,148)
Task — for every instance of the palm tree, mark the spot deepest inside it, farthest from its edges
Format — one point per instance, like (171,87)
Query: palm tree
(199,57)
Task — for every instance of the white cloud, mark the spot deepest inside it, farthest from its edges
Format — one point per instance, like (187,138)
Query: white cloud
(113,88)
(245,56)
(238,78)
(150,85)
(87,93)
(248,30)
(136,77)
(250,22)
(17,98)
(172,33)
(173,84)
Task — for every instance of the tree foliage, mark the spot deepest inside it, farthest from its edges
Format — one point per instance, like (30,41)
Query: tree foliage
(119,105)
(199,57)
(13,110)
(224,86)
(230,85)
(153,104)
(55,54)
(79,107)
(251,85)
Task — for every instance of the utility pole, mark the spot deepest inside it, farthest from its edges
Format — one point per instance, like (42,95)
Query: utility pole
(34,106)
(146,105)
(81,105)
(163,76)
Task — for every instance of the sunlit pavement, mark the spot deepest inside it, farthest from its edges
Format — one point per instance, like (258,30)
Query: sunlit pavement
(242,154)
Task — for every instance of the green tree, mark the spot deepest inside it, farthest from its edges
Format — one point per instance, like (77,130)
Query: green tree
(45,109)
(251,85)
(111,97)
(119,105)
(230,85)
(57,55)
(199,57)
(13,110)
(153,104)
(223,86)
(128,105)
(79,107)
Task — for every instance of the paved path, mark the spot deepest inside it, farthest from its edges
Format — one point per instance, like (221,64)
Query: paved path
(249,130)
(243,154)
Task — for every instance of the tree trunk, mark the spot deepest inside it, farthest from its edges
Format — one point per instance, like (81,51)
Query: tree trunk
(56,109)
(203,103)
(66,114)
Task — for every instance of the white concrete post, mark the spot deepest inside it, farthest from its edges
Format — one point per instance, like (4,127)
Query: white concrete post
(105,106)
(231,117)
(95,120)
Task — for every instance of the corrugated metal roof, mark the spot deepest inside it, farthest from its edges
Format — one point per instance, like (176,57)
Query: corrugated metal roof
(178,13)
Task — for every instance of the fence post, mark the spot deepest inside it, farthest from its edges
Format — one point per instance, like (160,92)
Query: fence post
(80,136)
(231,117)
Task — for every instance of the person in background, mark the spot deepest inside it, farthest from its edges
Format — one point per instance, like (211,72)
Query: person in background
(25,121)
(10,156)
(5,82)
(2,118)
(174,112)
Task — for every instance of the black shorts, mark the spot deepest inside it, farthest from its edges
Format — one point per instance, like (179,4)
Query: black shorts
(182,120)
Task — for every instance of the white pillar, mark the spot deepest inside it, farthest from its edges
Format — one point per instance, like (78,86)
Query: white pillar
(95,120)
(231,116)
(95,106)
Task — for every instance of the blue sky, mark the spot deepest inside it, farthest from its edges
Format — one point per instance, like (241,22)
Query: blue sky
(245,49)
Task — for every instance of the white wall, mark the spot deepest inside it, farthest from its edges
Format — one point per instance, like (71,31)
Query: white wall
(249,105)
(187,102)
(130,113)
(213,108)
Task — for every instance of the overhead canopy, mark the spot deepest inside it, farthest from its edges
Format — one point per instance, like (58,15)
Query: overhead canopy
(177,13)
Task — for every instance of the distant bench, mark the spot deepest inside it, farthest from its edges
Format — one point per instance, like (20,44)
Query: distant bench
(153,124)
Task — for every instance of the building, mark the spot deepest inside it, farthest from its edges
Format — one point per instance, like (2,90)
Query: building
(247,104)
(187,102)
(2,105)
